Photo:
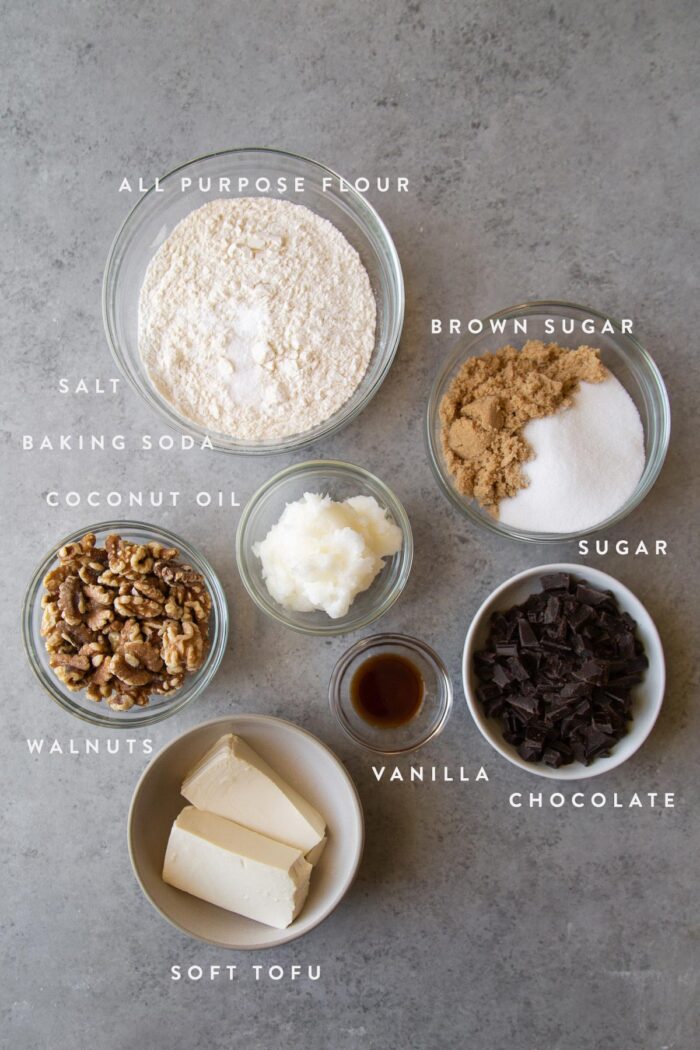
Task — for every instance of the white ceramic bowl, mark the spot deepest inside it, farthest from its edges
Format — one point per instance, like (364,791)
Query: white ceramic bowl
(648,696)
(306,764)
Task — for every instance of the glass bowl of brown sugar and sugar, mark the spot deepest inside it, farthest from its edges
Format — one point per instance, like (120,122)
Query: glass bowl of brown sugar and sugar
(551,423)
(254,299)
(391,693)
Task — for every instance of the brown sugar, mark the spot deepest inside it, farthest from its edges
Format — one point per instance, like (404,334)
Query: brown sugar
(491,399)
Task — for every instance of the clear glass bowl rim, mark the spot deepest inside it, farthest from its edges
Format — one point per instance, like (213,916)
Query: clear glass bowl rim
(405,641)
(217,645)
(652,468)
(392,503)
(342,417)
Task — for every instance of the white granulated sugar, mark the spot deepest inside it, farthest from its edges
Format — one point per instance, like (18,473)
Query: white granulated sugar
(256,318)
(588,459)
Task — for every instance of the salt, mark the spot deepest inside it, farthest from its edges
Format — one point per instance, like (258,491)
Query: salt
(587,462)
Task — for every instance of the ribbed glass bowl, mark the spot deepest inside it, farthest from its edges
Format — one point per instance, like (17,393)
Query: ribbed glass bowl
(155,216)
(340,481)
(621,353)
(159,707)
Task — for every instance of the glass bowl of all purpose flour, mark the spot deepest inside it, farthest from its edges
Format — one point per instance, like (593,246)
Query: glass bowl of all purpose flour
(254,299)
(591,461)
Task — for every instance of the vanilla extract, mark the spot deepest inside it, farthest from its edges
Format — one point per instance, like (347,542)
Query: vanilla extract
(387,690)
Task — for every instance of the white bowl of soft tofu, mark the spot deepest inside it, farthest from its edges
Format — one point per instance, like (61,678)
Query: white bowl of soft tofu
(245,832)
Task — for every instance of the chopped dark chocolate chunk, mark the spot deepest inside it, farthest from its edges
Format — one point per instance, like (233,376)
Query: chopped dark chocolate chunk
(518,669)
(558,672)
(592,671)
(528,638)
(505,649)
(590,596)
(488,692)
(501,676)
(529,751)
(555,647)
(523,704)
(579,615)
(556,581)
(626,682)
(573,689)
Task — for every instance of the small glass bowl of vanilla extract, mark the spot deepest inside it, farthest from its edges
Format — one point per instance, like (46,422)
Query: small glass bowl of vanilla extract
(391,693)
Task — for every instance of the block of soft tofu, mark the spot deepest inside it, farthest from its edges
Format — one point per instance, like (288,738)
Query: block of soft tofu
(236,868)
(235,782)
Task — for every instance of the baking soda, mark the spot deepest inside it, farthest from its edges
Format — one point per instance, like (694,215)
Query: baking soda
(587,462)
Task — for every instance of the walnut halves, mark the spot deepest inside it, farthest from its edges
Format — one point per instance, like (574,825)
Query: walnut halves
(124,622)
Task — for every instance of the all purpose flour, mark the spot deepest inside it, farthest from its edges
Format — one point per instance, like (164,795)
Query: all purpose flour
(256,318)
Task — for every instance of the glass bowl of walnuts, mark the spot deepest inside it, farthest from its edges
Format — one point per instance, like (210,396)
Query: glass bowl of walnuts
(124,623)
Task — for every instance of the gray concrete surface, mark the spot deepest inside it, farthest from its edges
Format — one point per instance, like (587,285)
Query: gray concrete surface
(552,151)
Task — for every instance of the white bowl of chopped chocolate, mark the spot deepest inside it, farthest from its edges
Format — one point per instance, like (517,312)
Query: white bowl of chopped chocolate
(124,623)
(564,671)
